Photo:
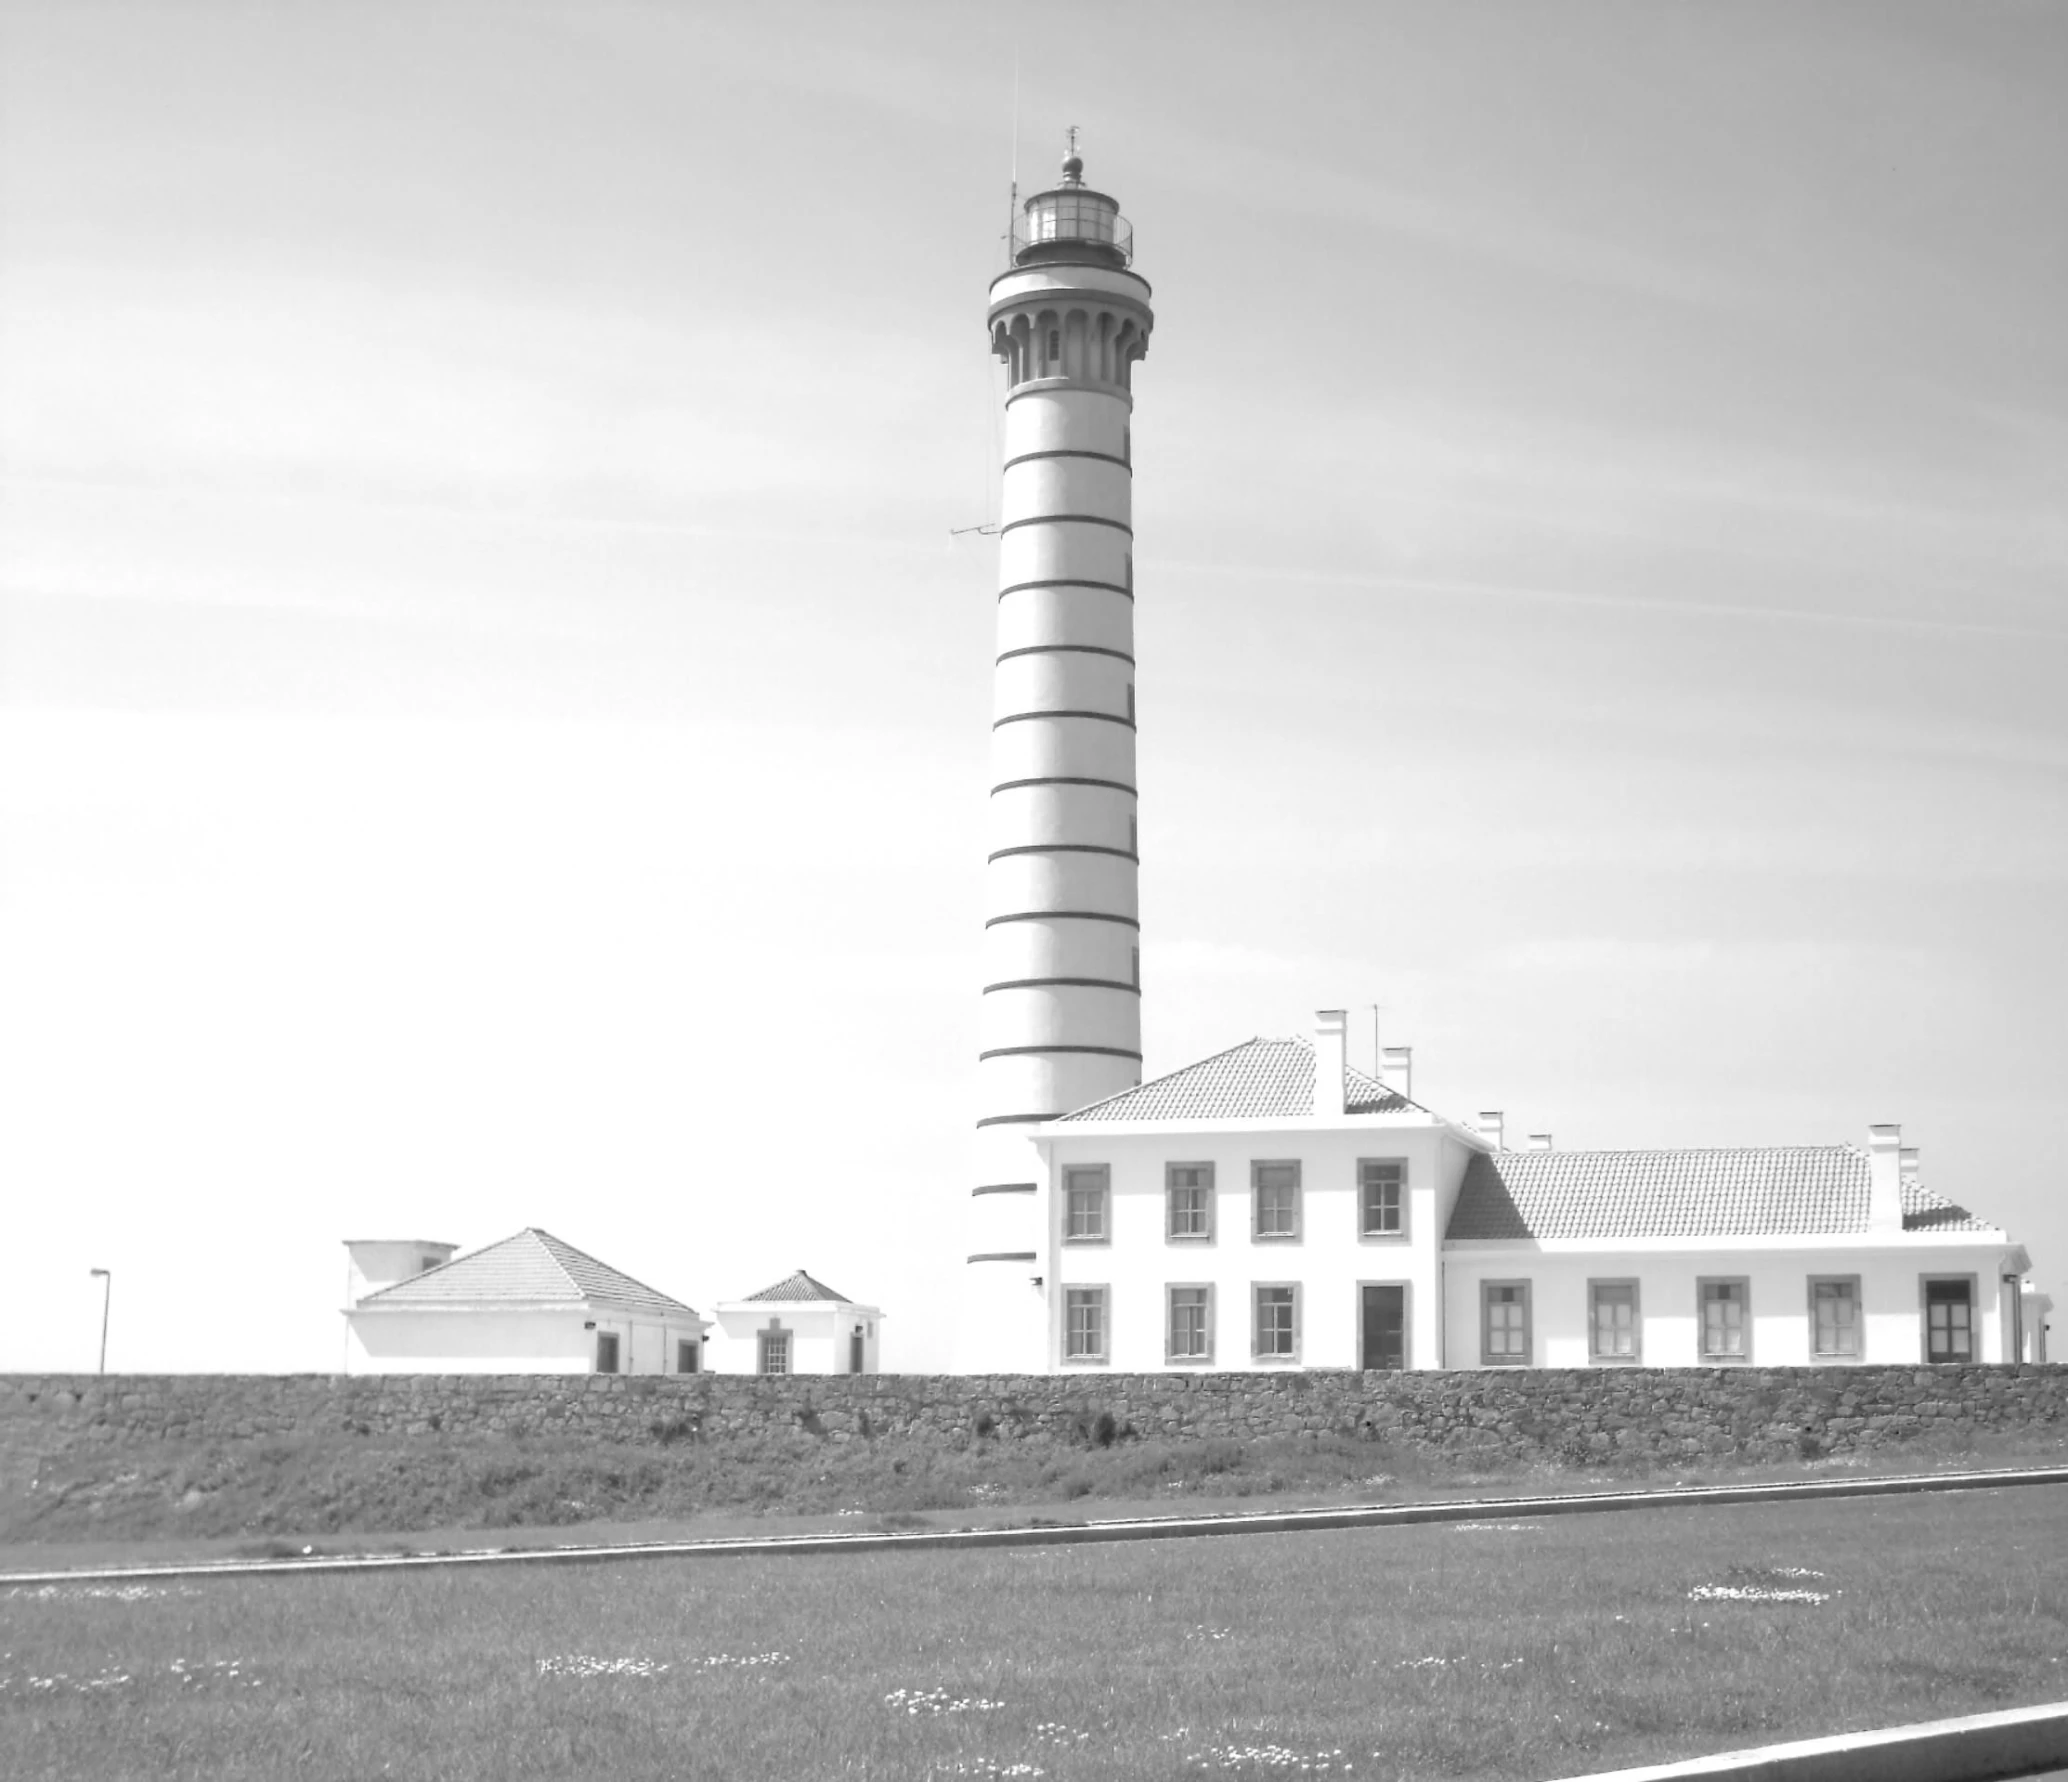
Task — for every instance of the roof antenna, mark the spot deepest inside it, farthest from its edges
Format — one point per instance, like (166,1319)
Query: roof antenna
(1012,206)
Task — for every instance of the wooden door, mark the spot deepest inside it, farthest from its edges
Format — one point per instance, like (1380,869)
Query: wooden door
(1384,1329)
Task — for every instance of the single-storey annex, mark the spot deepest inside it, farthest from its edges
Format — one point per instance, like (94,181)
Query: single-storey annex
(531,1304)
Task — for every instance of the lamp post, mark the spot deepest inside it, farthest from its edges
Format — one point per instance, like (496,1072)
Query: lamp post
(107,1293)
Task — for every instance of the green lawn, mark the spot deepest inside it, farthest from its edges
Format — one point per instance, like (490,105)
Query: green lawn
(1524,1649)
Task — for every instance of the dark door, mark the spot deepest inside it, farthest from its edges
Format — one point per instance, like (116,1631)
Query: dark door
(1385,1328)
(854,1352)
(1949,1311)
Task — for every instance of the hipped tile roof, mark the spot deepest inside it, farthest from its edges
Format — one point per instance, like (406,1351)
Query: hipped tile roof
(1261,1079)
(530,1268)
(798,1287)
(1781,1191)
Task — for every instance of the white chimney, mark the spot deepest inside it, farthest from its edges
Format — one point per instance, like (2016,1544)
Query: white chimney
(1540,1141)
(1490,1127)
(1397,1070)
(1331,1062)
(1884,1178)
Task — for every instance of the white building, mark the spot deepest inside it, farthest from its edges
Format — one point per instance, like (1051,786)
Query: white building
(798,1326)
(528,1305)
(1273,1207)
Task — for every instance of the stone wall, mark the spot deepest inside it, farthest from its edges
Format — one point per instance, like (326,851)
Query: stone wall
(1524,1414)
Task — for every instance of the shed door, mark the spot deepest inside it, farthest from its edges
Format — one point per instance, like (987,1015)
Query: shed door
(1385,1328)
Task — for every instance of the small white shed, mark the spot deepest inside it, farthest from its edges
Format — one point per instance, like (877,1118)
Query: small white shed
(531,1304)
(798,1326)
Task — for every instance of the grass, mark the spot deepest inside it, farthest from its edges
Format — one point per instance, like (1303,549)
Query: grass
(1492,1650)
(339,1492)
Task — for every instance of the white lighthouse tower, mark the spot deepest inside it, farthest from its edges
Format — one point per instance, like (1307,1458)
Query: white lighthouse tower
(1062,961)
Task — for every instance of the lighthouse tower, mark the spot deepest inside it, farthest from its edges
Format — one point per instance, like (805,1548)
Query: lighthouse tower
(1062,961)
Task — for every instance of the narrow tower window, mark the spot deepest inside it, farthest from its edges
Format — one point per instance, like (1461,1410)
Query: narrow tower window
(1055,350)
(1130,702)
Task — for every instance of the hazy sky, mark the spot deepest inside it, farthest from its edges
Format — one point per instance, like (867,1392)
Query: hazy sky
(493,724)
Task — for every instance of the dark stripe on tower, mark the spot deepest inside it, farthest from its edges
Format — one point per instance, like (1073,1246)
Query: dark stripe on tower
(1003,1256)
(1067,848)
(1063,915)
(1007,1188)
(1066,650)
(1065,983)
(1102,717)
(1103,458)
(1060,519)
(1024,1051)
(1067,581)
(1064,779)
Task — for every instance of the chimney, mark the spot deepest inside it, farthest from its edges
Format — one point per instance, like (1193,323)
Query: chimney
(1884,1178)
(1397,1070)
(1331,1061)
(1909,1156)
(1540,1141)
(1490,1127)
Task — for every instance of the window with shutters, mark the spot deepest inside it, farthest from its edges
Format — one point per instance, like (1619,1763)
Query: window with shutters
(1188,1202)
(1504,1332)
(1949,1318)
(1275,1202)
(1086,1194)
(1614,1332)
(1835,1317)
(1724,1310)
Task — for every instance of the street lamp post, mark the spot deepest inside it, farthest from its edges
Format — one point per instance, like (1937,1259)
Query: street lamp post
(107,1293)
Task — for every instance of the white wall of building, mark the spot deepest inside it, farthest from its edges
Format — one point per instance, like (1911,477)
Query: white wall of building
(1778,1275)
(1329,1260)
(821,1335)
(550,1340)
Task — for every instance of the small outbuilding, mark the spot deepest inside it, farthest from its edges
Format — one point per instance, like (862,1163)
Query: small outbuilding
(531,1304)
(798,1326)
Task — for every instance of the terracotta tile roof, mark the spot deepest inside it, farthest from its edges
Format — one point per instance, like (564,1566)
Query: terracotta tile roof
(530,1268)
(798,1287)
(1261,1079)
(1779,1191)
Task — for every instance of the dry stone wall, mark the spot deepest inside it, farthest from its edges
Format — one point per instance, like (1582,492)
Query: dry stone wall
(1664,1414)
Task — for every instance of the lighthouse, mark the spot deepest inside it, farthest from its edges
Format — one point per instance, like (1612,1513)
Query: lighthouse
(1061,1023)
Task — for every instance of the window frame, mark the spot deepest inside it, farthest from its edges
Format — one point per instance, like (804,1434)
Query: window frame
(1257,1165)
(1103,1356)
(1275,1358)
(1487,1358)
(1208,1207)
(1365,1233)
(1205,1358)
(1973,1284)
(1104,1234)
(1859,1350)
(1596,1357)
(1743,1283)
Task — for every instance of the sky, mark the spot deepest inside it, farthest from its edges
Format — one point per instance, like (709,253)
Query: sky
(494,702)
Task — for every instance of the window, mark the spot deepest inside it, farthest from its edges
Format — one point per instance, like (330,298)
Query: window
(606,1352)
(1055,350)
(1504,1336)
(1275,1198)
(1277,1335)
(1130,572)
(687,1360)
(1188,1324)
(1134,837)
(1613,1332)
(1382,1196)
(1084,1324)
(1726,1323)
(1130,702)
(775,1350)
(1835,1317)
(1949,1319)
(1084,1205)
(1134,966)
(1188,1202)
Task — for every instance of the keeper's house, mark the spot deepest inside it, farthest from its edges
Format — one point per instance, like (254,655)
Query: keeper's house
(1272,1207)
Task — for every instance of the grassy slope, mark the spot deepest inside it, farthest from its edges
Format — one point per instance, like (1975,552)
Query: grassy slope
(322,1486)
(1529,1650)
